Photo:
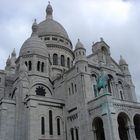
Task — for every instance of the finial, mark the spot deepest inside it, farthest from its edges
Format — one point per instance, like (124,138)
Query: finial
(49,11)
(78,40)
(34,27)
(8,62)
(49,2)
(121,57)
(13,53)
(101,38)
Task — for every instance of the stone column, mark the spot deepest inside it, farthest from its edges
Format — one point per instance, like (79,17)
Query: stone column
(131,131)
(110,123)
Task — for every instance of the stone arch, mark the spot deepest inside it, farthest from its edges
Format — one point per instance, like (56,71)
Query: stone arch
(123,126)
(42,85)
(136,121)
(98,129)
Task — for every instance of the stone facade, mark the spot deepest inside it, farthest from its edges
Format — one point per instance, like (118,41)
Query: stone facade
(49,92)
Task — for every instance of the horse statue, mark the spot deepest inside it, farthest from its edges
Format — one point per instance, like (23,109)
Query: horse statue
(102,82)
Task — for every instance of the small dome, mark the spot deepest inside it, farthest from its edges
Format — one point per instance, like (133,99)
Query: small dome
(34,45)
(79,45)
(122,61)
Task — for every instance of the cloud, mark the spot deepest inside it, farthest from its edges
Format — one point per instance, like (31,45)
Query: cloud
(117,21)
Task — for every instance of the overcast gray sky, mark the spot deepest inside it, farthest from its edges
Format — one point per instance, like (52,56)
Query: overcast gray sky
(117,21)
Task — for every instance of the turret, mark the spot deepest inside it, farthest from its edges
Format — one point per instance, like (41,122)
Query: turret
(80,52)
(10,63)
(80,57)
(125,69)
(124,66)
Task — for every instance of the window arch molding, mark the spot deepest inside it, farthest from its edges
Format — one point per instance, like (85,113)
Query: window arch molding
(55,59)
(41,84)
(59,125)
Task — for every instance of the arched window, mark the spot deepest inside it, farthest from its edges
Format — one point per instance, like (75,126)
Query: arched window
(30,65)
(98,129)
(55,59)
(68,62)
(62,60)
(123,126)
(58,126)
(137,126)
(50,122)
(38,66)
(42,67)
(42,125)
(26,63)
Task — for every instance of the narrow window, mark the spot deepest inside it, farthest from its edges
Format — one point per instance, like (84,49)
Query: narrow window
(77,69)
(58,127)
(50,122)
(30,65)
(72,88)
(75,88)
(69,92)
(26,63)
(38,66)
(0,80)
(121,94)
(85,69)
(42,125)
(68,62)
(72,133)
(62,60)
(54,38)
(42,67)
(77,134)
(55,59)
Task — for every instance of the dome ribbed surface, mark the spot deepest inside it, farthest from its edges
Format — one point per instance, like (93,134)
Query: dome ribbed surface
(122,61)
(33,45)
(51,27)
(79,45)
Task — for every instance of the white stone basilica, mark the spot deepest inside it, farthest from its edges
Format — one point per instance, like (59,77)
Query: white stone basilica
(52,92)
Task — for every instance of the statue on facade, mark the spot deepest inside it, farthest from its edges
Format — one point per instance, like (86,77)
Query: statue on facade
(102,83)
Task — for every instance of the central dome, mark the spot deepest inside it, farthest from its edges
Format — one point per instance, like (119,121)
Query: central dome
(50,26)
